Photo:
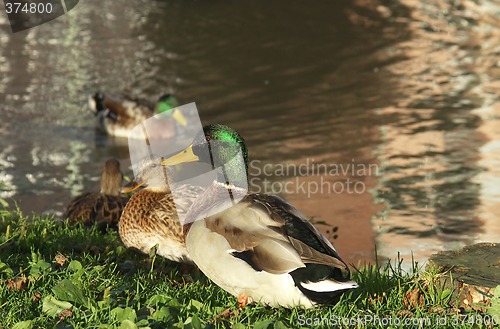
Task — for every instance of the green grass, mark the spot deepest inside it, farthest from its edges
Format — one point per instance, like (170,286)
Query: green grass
(53,275)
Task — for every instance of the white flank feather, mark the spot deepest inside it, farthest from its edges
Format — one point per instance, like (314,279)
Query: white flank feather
(329,285)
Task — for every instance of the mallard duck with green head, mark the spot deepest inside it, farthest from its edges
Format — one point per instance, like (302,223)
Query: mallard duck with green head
(103,208)
(117,117)
(261,249)
(150,217)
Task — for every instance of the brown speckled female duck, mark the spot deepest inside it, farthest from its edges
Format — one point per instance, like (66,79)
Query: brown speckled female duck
(103,208)
(150,217)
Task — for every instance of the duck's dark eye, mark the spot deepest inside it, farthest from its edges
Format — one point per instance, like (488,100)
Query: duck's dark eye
(154,165)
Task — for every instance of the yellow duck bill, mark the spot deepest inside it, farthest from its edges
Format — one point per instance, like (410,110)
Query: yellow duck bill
(179,117)
(186,155)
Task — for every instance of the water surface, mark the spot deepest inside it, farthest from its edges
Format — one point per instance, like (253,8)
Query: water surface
(405,93)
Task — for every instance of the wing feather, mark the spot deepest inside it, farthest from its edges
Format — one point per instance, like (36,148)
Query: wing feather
(273,236)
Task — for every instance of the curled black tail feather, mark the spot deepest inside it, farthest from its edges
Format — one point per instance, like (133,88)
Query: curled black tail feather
(316,273)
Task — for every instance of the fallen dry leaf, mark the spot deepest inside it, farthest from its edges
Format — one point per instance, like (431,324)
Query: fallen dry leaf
(65,314)
(437,310)
(36,297)
(404,313)
(60,260)
(226,314)
(17,283)
(413,298)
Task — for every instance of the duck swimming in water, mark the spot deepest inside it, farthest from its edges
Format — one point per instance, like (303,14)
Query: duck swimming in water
(117,117)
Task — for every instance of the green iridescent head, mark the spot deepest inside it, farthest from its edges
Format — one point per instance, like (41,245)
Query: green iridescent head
(219,146)
(226,143)
(166,103)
